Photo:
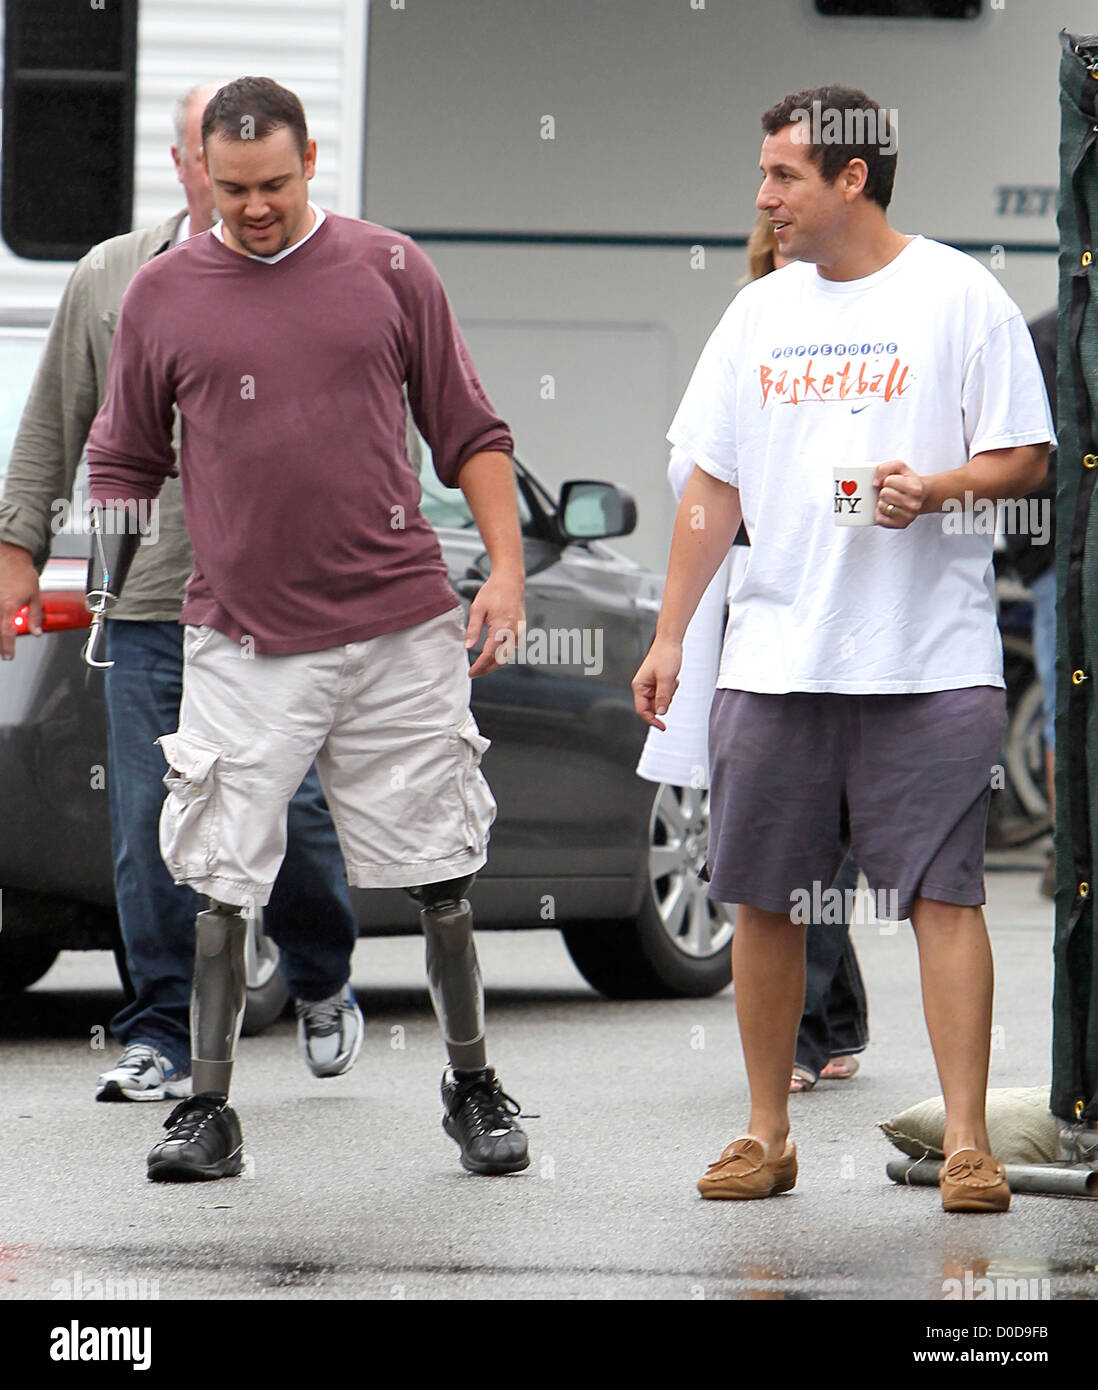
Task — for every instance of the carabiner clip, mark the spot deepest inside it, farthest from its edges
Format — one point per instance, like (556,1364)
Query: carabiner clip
(91,645)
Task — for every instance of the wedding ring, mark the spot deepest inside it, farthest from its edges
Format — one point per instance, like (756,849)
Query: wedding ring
(890,509)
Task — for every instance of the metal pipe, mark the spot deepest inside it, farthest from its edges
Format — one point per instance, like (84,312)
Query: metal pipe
(1052,1179)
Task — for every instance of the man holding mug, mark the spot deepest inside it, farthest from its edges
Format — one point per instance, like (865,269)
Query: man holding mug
(861,697)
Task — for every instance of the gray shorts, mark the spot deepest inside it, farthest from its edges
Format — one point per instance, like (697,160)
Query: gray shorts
(387,721)
(905,780)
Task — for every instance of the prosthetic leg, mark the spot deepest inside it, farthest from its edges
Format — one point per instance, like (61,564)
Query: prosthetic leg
(453,971)
(204,1139)
(217,996)
(479,1116)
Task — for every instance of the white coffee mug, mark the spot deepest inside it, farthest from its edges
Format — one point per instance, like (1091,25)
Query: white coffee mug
(854,496)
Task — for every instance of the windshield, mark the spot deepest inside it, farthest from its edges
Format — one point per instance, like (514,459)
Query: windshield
(446,506)
(19,354)
(443,506)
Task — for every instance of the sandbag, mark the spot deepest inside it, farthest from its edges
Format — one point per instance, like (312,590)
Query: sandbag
(1020,1127)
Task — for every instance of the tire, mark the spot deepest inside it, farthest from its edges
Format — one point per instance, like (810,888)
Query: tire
(266,991)
(1025,752)
(31,928)
(23,963)
(678,945)
(1021,811)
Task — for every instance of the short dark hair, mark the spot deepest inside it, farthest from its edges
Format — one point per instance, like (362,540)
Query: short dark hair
(854,114)
(251,108)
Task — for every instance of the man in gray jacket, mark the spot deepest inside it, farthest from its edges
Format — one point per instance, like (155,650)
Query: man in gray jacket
(309,915)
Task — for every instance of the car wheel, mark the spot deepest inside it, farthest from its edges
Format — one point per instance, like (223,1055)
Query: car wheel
(1025,751)
(31,925)
(267,994)
(678,945)
(23,963)
(1019,811)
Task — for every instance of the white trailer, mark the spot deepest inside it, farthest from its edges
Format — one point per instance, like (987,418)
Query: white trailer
(584,172)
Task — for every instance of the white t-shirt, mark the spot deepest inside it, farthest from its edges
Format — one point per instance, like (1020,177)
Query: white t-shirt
(928,360)
(679,754)
(318,218)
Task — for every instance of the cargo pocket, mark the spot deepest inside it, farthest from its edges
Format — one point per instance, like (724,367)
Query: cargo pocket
(189,820)
(194,639)
(478,802)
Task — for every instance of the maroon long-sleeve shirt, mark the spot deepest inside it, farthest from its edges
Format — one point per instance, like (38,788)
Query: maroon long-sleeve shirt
(300,502)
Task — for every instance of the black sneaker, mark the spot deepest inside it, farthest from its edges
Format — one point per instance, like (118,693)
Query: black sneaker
(204,1141)
(479,1118)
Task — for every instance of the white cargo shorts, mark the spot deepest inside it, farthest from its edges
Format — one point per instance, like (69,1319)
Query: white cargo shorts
(387,722)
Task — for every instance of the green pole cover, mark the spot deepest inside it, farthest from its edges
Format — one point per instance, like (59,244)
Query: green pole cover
(1075,998)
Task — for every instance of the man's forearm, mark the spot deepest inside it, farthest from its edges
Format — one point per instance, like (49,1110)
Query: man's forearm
(997,475)
(708,518)
(488,481)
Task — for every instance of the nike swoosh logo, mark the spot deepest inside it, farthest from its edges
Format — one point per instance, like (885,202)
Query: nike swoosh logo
(857,409)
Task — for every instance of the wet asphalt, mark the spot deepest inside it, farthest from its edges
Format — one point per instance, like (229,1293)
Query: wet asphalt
(352,1190)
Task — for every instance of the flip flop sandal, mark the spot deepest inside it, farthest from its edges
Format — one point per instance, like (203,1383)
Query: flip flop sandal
(802,1080)
(840,1069)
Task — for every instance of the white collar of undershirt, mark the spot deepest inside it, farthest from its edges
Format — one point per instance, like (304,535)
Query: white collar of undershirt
(318,218)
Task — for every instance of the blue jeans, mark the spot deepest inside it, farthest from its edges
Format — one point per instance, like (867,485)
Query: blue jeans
(835,1020)
(309,915)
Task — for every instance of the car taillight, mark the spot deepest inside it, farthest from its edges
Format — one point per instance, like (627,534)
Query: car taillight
(61,612)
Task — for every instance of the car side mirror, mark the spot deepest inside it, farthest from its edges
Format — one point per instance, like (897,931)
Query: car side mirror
(590,511)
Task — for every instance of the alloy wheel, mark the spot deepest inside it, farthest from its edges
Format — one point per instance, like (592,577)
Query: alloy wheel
(678,845)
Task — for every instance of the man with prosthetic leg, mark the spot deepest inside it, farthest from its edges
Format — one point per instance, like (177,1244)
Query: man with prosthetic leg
(319,621)
(204,1137)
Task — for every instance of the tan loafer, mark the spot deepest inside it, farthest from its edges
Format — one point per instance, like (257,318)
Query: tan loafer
(973,1181)
(743,1171)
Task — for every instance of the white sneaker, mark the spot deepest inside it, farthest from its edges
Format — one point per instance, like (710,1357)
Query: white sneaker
(330,1032)
(142,1073)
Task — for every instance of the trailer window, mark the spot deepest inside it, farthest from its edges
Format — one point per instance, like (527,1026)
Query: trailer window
(18,362)
(903,9)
